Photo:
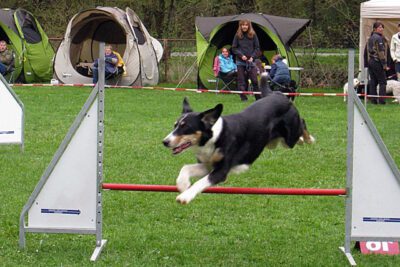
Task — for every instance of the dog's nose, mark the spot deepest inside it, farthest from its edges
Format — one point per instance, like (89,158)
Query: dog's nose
(166,142)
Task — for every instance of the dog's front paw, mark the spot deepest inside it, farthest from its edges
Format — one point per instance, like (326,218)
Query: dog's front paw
(182,184)
(184,198)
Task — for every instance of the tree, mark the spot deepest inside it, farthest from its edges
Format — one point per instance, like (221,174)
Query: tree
(245,6)
(335,23)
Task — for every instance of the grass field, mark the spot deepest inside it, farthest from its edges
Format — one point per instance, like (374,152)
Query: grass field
(151,229)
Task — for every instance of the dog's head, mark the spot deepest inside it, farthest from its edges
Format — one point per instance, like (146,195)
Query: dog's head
(192,128)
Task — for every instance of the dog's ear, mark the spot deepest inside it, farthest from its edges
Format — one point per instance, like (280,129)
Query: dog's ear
(209,117)
(186,106)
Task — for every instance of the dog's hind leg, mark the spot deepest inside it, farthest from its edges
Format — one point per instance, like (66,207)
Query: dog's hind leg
(187,171)
(307,137)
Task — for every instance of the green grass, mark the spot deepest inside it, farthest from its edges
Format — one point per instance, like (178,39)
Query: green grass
(151,229)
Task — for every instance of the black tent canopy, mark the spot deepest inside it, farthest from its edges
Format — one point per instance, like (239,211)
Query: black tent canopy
(287,29)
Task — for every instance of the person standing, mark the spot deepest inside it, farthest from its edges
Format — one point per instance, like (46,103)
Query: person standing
(6,57)
(246,47)
(395,51)
(377,64)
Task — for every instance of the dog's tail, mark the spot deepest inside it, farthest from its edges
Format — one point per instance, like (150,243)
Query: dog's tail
(264,84)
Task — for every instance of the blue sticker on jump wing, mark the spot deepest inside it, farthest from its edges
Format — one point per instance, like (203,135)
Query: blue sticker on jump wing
(61,211)
(380,219)
(6,132)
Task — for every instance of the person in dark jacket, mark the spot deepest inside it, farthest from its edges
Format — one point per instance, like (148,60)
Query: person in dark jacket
(246,47)
(377,47)
(111,61)
(279,73)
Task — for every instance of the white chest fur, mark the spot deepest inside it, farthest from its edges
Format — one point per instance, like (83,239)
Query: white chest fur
(208,153)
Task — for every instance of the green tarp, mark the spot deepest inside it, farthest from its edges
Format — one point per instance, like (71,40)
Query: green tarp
(26,38)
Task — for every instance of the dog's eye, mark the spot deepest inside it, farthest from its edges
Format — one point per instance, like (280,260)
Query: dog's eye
(183,125)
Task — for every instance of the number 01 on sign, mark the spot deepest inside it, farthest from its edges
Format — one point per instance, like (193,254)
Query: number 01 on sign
(380,247)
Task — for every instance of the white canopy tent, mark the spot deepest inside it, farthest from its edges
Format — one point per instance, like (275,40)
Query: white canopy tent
(385,11)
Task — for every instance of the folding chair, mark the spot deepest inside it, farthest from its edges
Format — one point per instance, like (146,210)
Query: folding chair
(228,80)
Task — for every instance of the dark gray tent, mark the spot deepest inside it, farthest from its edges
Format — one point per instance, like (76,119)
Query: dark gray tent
(276,34)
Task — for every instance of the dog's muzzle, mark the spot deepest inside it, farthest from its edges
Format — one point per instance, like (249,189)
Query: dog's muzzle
(176,149)
(165,142)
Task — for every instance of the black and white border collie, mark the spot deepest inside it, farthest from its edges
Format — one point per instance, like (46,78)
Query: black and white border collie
(230,144)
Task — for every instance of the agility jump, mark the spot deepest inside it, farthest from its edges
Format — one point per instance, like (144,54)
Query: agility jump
(11,116)
(59,205)
(231,190)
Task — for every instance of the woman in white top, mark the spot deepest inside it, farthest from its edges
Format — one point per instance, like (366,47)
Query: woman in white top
(395,51)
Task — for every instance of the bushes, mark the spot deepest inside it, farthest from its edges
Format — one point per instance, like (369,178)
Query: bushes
(324,69)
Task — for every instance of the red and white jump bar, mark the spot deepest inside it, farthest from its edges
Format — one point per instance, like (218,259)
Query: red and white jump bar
(230,190)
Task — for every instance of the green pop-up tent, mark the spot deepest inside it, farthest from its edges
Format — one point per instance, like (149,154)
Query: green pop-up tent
(26,38)
(275,34)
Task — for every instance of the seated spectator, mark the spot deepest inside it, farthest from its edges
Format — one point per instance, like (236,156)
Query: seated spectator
(279,71)
(6,57)
(223,64)
(111,61)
